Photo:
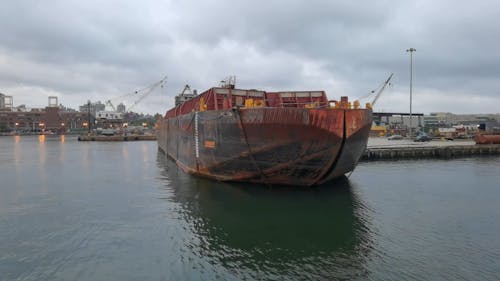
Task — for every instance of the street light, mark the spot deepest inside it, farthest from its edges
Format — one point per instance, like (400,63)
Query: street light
(42,127)
(411,50)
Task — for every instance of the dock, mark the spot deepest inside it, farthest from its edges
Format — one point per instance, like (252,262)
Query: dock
(382,149)
(117,138)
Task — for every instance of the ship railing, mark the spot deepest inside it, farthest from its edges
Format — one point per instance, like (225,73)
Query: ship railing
(253,103)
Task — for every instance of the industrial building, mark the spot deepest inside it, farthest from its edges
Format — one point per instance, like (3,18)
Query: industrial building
(53,118)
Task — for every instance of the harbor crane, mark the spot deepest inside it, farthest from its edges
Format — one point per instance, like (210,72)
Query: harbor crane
(108,103)
(137,95)
(143,93)
(382,88)
(379,92)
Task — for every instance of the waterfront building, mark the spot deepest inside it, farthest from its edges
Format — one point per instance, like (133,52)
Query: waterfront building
(121,108)
(446,119)
(94,108)
(395,123)
(6,102)
(52,118)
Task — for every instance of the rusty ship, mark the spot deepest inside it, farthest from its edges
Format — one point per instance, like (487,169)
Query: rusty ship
(488,133)
(292,137)
(487,138)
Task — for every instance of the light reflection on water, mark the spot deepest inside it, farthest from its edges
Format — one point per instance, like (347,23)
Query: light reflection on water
(121,211)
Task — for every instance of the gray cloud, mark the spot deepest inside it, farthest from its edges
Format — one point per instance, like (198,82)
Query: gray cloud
(103,49)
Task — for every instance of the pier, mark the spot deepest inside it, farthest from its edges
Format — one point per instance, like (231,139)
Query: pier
(382,149)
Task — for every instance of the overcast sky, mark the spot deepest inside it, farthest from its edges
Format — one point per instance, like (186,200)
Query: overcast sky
(100,50)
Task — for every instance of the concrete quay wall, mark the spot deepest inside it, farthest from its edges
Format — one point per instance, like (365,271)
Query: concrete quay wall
(429,151)
(383,149)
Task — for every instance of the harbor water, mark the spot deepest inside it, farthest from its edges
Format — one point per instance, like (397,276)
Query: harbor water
(74,210)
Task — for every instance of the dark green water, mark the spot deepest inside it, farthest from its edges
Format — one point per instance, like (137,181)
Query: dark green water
(120,211)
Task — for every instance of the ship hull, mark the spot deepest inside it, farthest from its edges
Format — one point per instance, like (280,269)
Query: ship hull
(487,138)
(292,146)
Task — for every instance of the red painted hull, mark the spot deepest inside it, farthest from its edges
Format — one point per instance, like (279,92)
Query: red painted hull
(268,145)
(487,139)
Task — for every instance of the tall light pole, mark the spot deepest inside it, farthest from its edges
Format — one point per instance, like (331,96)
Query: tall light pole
(411,50)
(88,115)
